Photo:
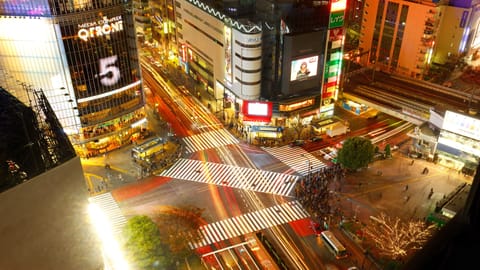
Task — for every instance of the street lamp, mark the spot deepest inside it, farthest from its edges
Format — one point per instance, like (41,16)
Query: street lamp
(308,163)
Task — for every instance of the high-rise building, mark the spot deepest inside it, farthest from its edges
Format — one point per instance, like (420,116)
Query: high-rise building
(265,63)
(83,55)
(408,37)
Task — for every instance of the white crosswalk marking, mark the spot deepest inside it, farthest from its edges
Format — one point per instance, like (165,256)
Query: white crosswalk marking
(110,209)
(250,222)
(207,140)
(232,176)
(296,158)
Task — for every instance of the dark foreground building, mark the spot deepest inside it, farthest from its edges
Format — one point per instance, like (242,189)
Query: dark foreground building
(44,220)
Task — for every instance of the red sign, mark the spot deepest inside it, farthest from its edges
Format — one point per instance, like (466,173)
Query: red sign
(257,111)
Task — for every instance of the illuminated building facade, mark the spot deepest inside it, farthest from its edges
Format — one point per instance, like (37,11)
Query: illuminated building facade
(407,37)
(250,65)
(83,55)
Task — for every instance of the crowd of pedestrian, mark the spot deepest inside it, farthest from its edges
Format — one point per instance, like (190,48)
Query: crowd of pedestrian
(313,190)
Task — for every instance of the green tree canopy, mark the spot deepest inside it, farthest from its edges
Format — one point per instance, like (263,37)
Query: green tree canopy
(356,153)
(142,244)
(388,151)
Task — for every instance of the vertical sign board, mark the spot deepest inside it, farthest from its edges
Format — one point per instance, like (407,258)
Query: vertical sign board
(228,53)
(334,54)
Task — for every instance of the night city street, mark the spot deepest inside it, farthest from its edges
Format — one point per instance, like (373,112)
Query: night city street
(239,135)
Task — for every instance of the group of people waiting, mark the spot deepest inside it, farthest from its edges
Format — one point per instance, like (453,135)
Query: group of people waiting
(313,189)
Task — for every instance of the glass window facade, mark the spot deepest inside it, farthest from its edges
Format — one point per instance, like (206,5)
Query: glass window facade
(102,59)
(83,55)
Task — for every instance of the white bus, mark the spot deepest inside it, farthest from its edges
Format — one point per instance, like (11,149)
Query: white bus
(332,243)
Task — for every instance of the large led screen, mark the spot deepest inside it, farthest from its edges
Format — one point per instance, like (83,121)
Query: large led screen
(304,68)
(307,49)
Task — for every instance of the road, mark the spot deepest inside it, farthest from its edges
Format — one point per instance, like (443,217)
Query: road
(246,189)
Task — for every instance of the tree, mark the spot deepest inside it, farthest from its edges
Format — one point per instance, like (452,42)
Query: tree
(388,151)
(396,239)
(142,244)
(356,153)
(179,228)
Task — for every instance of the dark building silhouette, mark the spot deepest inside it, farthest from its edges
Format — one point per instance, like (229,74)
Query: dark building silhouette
(45,224)
(31,139)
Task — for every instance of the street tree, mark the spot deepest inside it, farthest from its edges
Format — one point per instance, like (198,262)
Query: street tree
(388,151)
(179,228)
(395,238)
(142,244)
(357,152)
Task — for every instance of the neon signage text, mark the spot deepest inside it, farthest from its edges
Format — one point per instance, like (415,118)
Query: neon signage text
(100,28)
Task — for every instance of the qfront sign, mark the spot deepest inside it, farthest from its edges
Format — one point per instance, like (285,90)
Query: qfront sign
(100,28)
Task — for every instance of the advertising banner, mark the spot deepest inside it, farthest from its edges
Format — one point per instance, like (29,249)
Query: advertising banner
(304,68)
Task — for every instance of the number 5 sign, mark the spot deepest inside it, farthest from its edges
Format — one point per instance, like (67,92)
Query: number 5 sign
(109,72)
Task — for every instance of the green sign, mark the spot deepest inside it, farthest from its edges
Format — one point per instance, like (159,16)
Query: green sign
(336,19)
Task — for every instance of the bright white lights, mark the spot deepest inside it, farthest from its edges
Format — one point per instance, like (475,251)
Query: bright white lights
(110,244)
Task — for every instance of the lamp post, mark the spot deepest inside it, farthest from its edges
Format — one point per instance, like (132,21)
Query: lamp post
(308,163)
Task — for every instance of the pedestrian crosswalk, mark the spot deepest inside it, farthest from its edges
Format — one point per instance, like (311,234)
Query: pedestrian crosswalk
(296,158)
(207,140)
(232,176)
(109,208)
(248,223)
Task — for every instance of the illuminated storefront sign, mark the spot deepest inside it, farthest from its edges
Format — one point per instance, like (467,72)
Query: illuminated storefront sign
(336,19)
(462,125)
(257,111)
(228,53)
(295,106)
(338,5)
(100,28)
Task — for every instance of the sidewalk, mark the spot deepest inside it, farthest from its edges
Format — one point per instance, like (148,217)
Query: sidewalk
(401,189)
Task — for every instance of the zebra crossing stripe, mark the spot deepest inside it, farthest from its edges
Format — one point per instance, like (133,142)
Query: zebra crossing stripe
(189,145)
(211,233)
(232,176)
(251,217)
(288,211)
(221,230)
(211,139)
(246,227)
(273,214)
(248,223)
(265,218)
(296,158)
(203,235)
(109,207)
(281,213)
(233,227)
(254,217)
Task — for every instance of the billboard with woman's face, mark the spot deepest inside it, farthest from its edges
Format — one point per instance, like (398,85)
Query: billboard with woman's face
(304,68)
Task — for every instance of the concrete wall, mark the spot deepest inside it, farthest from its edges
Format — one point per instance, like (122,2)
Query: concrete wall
(45,224)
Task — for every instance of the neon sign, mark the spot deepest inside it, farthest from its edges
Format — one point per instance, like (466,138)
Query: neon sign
(100,28)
